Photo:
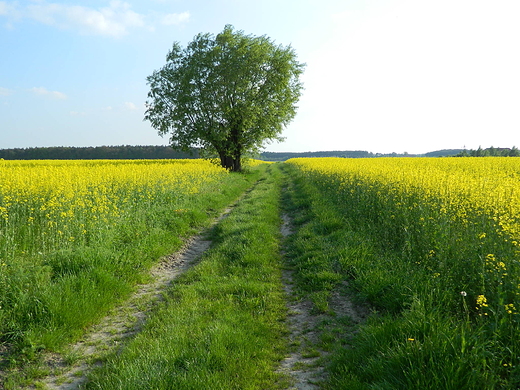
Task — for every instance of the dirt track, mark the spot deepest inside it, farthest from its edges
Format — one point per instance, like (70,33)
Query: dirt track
(69,371)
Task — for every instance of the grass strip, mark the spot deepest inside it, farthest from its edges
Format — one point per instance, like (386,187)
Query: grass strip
(222,323)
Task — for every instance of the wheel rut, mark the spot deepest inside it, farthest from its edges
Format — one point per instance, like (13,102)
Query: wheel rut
(306,364)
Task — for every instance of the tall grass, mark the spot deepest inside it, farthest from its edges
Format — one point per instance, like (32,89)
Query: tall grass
(76,237)
(432,245)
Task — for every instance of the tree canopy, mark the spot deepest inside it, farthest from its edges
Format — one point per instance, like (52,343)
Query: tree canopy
(227,94)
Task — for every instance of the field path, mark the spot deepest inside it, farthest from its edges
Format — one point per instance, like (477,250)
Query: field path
(303,369)
(306,363)
(69,371)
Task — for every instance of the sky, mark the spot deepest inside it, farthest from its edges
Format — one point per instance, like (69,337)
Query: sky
(381,75)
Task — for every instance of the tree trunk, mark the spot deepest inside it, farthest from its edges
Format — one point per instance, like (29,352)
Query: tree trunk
(225,161)
(234,164)
(230,152)
(237,165)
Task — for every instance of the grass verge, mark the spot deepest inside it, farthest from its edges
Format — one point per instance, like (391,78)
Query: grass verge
(222,323)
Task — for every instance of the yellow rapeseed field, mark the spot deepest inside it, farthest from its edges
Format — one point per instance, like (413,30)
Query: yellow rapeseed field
(45,203)
(486,186)
(75,236)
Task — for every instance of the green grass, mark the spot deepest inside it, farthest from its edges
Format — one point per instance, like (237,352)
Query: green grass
(222,324)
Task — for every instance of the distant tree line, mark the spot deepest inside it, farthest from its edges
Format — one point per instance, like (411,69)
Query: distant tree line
(282,156)
(490,152)
(130,152)
(126,152)
(443,153)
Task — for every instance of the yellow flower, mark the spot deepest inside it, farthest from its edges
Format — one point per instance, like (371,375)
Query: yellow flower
(481,301)
(500,265)
(510,308)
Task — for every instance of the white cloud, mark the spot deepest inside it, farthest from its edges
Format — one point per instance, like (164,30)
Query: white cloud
(10,12)
(77,113)
(3,8)
(8,9)
(44,92)
(5,91)
(174,19)
(114,20)
(129,106)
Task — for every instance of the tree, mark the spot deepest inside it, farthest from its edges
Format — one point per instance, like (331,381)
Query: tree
(226,94)
(514,152)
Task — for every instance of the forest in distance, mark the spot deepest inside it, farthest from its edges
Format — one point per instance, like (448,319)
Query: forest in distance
(131,152)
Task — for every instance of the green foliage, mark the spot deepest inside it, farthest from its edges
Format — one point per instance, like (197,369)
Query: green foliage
(126,152)
(226,94)
(490,152)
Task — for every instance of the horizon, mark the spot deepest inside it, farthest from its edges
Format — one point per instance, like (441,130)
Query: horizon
(279,152)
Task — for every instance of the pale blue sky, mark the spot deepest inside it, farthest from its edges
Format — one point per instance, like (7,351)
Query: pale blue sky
(381,75)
